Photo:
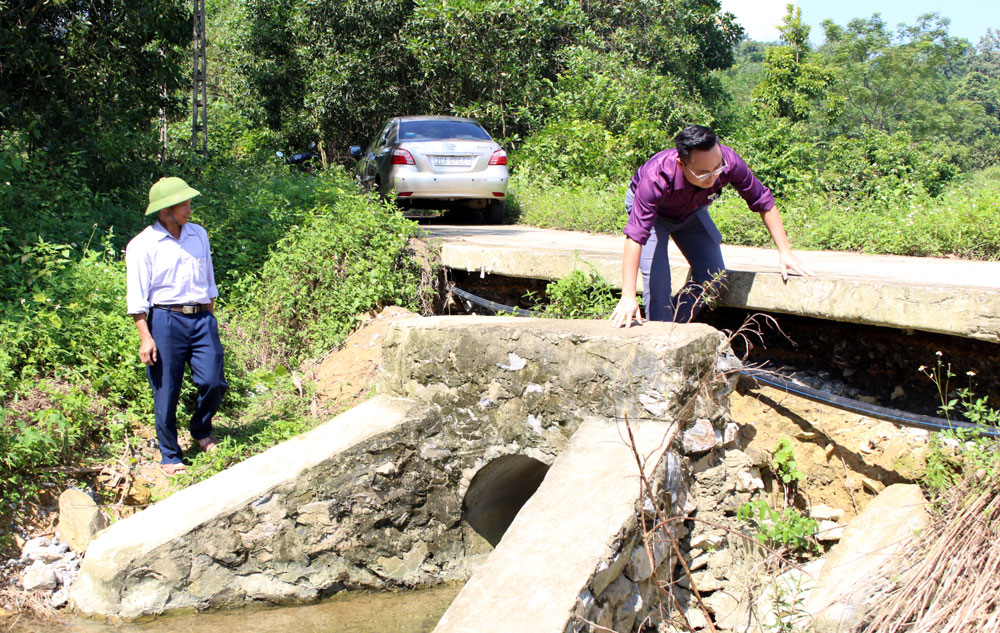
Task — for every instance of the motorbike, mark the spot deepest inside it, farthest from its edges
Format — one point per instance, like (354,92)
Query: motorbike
(302,160)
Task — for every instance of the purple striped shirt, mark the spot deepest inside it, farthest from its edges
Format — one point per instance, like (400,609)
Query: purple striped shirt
(660,188)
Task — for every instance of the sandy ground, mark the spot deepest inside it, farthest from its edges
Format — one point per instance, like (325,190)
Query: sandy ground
(847,458)
(346,376)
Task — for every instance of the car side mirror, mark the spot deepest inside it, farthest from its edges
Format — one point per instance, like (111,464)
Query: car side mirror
(355,151)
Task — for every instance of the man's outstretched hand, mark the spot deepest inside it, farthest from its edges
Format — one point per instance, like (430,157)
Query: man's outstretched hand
(789,263)
(627,309)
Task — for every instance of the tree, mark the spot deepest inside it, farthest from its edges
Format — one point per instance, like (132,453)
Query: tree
(258,39)
(793,85)
(84,82)
(900,82)
(685,39)
(360,71)
(794,80)
(794,32)
(981,87)
(338,68)
(492,59)
(986,59)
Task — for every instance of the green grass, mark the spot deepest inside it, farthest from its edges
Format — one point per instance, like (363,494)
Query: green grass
(592,207)
(960,222)
(267,413)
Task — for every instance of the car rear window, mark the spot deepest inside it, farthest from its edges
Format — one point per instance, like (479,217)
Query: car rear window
(437,130)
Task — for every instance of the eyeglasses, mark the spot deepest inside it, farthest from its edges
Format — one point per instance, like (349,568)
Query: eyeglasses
(709,174)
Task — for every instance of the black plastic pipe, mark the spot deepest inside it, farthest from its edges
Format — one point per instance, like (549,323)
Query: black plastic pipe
(871,410)
(492,305)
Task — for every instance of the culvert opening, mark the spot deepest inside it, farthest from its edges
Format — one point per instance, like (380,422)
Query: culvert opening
(497,493)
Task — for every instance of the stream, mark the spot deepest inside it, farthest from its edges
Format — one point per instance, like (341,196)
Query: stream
(414,611)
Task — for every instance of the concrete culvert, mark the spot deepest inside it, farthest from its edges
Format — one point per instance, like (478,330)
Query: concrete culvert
(497,493)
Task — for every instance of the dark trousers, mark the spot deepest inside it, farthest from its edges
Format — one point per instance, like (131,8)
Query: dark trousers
(699,241)
(184,339)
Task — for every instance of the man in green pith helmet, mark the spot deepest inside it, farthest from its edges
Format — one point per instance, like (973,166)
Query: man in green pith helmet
(171,295)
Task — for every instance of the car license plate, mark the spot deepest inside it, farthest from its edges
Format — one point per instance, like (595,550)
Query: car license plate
(452,161)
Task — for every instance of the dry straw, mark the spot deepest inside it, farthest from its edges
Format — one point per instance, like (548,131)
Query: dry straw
(950,582)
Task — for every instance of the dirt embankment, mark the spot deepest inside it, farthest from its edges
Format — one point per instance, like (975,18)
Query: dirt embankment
(847,458)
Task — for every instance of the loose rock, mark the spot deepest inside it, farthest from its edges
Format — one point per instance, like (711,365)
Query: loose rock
(825,513)
(829,531)
(79,519)
(701,437)
(729,614)
(60,597)
(43,549)
(870,541)
(39,576)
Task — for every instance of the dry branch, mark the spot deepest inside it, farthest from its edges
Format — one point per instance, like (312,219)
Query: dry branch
(950,582)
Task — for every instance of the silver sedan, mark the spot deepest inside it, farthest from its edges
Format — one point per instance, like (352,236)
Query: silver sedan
(429,160)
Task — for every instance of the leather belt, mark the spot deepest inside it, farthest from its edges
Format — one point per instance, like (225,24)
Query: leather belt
(191,308)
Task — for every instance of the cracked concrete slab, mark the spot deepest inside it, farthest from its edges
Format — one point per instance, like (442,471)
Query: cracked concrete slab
(948,296)
(534,579)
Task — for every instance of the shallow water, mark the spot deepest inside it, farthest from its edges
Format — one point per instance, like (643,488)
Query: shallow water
(347,612)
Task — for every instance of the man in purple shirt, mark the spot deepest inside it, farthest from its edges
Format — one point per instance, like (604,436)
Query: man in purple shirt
(669,197)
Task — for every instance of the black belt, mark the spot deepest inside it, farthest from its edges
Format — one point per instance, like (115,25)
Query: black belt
(190,308)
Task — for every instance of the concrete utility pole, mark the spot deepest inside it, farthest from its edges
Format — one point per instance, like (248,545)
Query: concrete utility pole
(199,95)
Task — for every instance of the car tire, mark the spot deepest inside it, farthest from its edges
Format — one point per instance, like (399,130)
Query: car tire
(494,212)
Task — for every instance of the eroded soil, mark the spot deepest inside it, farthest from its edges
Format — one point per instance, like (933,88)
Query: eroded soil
(847,458)
(346,376)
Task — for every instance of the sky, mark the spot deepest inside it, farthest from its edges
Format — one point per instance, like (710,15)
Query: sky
(969,19)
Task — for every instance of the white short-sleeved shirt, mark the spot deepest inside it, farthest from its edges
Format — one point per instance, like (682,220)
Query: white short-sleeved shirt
(162,270)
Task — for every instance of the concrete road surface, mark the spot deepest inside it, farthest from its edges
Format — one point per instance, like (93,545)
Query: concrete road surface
(950,296)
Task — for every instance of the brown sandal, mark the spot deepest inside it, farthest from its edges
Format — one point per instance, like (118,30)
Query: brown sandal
(173,469)
(208,444)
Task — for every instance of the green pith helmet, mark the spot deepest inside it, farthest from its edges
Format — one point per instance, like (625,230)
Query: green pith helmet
(167,192)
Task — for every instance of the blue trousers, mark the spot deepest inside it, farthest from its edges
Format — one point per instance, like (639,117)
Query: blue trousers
(183,339)
(699,241)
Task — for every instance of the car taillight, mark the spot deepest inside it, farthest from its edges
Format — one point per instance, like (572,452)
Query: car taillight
(499,157)
(403,157)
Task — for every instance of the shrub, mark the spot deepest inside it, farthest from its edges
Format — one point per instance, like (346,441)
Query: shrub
(879,166)
(342,260)
(70,380)
(607,89)
(573,150)
(605,118)
(590,206)
(787,528)
(248,212)
(578,295)
(53,202)
(780,153)
(67,322)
